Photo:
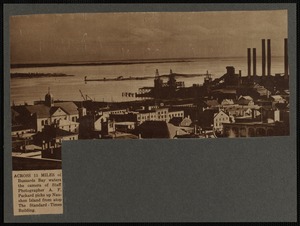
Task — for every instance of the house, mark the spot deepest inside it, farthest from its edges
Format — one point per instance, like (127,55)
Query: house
(224,93)
(95,126)
(125,126)
(245,98)
(213,103)
(51,135)
(213,119)
(50,140)
(158,129)
(181,122)
(261,90)
(277,99)
(227,102)
(245,101)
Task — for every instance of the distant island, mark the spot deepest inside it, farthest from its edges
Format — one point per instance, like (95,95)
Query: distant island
(37,75)
(103,63)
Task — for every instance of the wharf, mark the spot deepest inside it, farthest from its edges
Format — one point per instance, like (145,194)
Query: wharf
(121,78)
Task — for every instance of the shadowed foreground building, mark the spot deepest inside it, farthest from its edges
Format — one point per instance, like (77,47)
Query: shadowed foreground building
(158,129)
(258,129)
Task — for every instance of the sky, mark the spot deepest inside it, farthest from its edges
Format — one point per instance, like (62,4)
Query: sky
(60,38)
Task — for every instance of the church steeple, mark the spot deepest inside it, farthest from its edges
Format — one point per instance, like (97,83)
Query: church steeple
(49,101)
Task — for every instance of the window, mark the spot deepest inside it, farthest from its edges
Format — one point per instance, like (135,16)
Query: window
(42,122)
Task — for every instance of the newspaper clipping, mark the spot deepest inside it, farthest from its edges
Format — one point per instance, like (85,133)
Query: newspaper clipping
(169,75)
(37,192)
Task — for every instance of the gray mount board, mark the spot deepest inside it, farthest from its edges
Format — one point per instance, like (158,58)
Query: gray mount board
(223,180)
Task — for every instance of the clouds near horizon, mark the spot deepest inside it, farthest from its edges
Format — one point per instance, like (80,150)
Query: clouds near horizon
(116,36)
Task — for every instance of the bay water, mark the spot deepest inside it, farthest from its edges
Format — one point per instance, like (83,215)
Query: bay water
(67,88)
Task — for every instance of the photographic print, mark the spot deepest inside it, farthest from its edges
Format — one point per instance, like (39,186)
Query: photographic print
(151,75)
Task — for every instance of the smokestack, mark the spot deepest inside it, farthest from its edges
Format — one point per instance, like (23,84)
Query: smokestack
(286,62)
(254,61)
(249,62)
(263,56)
(269,57)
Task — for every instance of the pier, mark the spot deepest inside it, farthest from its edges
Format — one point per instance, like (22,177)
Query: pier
(121,78)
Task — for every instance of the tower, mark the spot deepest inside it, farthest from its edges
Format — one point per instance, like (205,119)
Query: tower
(49,101)
(157,80)
(158,83)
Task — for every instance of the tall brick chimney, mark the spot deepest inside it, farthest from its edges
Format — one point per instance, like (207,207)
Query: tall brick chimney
(254,61)
(286,60)
(269,57)
(249,61)
(263,57)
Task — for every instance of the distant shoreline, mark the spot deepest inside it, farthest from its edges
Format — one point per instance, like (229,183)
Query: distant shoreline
(115,62)
(38,75)
(94,63)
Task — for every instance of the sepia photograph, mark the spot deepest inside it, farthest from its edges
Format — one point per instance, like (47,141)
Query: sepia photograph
(145,75)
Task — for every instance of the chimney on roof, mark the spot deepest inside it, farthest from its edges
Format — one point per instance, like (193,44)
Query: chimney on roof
(254,61)
(269,57)
(249,61)
(263,56)
(286,62)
